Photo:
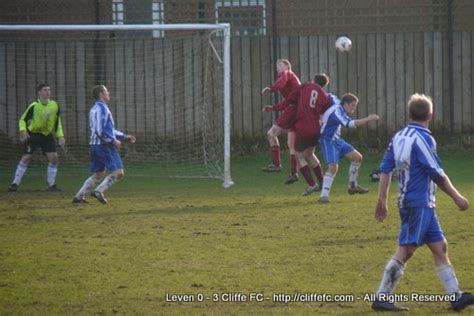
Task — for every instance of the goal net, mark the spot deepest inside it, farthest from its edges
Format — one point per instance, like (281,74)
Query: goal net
(169,87)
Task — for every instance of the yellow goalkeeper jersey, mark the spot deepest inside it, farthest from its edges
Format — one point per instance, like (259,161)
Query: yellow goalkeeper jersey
(42,118)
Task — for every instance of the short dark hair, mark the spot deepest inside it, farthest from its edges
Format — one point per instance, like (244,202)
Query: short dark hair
(419,107)
(349,98)
(41,86)
(97,90)
(321,79)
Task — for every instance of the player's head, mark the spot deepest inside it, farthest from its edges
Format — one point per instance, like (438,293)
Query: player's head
(349,101)
(44,91)
(321,79)
(420,108)
(100,92)
(283,64)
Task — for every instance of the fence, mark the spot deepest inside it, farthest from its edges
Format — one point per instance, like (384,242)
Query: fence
(157,84)
(382,69)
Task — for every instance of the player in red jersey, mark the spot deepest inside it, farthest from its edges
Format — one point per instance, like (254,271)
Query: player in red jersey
(311,102)
(286,82)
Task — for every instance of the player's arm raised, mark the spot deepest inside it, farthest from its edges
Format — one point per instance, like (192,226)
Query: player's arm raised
(130,138)
(365,120)
(281,81)
(291,100)
(277,107)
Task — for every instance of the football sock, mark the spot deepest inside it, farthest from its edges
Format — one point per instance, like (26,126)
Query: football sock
(327,183)
(293,165)
(393,272)
(51,174)
(87,187)
(319,174)
(107,183)
(353,173)
(306,172)
(20,171)
(276,155)
(448,278)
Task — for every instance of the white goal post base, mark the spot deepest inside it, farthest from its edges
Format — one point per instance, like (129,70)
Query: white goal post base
(228,184)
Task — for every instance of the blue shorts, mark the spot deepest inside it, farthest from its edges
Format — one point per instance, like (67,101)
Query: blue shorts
(334,150)
(104,157)
(420,226)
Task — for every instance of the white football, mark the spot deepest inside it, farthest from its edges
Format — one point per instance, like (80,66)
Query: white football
(343,44)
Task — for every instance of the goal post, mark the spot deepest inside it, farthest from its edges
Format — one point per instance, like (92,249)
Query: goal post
(170,86)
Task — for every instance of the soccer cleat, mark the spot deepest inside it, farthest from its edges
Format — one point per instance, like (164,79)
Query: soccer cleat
(324,199)
(389,307)
(291,179)
(99,196)
(462,302)
(79,200)
(272,168)
(310,189)
(53,188)
(13,187)
(357,190)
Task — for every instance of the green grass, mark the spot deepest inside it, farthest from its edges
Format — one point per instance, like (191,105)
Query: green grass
(177,236)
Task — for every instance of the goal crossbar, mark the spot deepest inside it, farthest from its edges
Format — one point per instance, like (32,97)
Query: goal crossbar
(113,27)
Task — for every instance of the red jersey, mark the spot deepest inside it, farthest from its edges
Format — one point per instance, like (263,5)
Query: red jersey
(285,83)
(312,102)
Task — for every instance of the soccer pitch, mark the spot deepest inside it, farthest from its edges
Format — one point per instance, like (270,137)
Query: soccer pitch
(256,248)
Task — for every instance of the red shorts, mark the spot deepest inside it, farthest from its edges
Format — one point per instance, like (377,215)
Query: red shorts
(306,141)
(287,119)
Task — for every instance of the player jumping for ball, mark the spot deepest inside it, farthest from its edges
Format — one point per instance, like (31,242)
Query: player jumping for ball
(286,82)
(309,102)
(334,147)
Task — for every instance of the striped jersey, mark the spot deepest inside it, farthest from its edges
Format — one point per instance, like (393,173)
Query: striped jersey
(413,152)
(102,125)
(333,118)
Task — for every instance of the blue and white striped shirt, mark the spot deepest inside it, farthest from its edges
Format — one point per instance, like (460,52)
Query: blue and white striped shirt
(333,118)
(413,152)
(102,126)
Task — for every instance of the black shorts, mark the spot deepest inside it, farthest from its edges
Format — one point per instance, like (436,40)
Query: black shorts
(305,142)
(47,143)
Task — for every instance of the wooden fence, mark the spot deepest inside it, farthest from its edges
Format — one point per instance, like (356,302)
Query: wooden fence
(382,69)
(157,84)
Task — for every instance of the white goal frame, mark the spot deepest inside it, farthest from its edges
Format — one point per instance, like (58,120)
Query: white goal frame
(223,27)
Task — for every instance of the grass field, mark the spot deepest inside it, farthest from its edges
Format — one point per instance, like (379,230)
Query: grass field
(162,237)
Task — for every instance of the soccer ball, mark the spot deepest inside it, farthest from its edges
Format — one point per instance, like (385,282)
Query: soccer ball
(343,44)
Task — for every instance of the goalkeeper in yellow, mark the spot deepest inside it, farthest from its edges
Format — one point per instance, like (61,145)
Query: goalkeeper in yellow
(40,125)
